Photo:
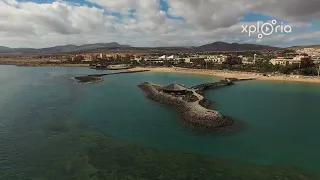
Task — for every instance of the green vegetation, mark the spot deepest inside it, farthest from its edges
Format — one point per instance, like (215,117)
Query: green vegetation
(72,152)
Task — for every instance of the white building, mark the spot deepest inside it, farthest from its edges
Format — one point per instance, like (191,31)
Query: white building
(172,57)
(246,60)
(138,59)
(163,57)
(187,60)
(219,59)
(89,57)
(154,60)
(316,59)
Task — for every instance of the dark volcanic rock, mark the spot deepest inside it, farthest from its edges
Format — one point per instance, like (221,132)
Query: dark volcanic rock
(89,78)
(205,103)
(99,77)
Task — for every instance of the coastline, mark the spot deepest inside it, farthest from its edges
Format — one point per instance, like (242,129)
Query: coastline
(216,73)
(234,74)
(44,65)
(37,63)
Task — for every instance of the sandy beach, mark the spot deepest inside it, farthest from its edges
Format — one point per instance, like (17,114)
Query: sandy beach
(217,73)
(235,74)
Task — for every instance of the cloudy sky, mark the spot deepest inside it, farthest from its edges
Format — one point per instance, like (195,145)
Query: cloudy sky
(44,23)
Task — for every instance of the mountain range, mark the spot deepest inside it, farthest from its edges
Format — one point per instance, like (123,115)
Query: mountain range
(114,46)
(63,49)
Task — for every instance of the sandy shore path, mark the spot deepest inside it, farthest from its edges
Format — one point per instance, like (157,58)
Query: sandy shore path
(235,74)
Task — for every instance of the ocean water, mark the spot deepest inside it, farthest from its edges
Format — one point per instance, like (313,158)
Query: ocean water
(54,128)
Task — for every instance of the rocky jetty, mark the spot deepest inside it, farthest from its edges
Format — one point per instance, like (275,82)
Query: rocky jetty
(214,85)
(89,79)
(93,78)
(192,106)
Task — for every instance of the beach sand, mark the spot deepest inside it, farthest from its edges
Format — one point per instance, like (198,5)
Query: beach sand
(235,74)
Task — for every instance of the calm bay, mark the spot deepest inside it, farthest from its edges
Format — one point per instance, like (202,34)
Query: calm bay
(38,105)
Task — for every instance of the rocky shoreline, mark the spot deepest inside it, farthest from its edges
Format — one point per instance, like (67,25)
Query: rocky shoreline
(193,108)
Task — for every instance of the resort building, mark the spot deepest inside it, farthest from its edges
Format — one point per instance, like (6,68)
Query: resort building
(248,60)
(187,60)
(282,61)
(218,59)
(204,56)
(77,58)
(102,56)
(89,57)
(154,59)
(316,59)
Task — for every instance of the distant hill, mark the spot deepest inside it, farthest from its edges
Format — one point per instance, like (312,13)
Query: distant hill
(223,46)
(114,46)
(4,49)
(306,46)
(63,49)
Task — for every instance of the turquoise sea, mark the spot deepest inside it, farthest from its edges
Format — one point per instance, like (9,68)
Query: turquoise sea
(54,128)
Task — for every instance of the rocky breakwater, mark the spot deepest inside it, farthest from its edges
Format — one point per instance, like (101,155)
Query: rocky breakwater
(214,85)
(94,78)
(89,79)
(193,114)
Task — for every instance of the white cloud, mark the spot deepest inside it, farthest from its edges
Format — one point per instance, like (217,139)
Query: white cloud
(212,14)
(29,24)
(46,18)
(300,24)
(117,5)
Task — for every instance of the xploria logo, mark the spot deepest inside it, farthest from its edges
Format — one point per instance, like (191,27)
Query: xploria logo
(266,29)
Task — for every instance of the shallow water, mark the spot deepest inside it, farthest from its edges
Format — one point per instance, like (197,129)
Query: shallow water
(40,135)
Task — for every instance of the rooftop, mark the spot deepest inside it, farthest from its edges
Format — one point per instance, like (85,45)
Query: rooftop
(174,87)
